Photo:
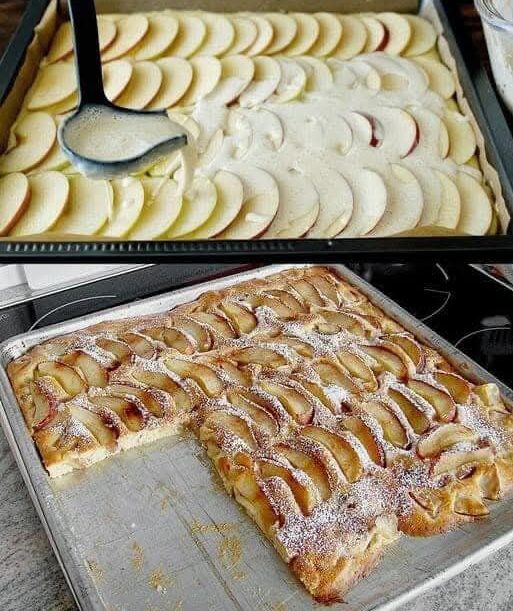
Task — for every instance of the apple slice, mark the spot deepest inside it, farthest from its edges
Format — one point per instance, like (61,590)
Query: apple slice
(34,136)
(367,438)
(432,195)
(67,377)
(393,430)
(357,367)
(62,44)
(452,461)
(131,29)
(303,458)
(266,78)
(459,389)
(400,131)
(199,203)
(229,202)
(15,198)
(296,404)
(219,37)
(335,200)
(329,34)
(267,127)
(217,322)
(55,160)
(204,376)
(246,33)
(206,75)
(299,205)
(410,346)
(177,75)
(433,134)
(161,208)
(260,205)
(49,194)
(332,373)
(399,32)
(369,201)
(54,84)
(441,400)
(423,36)
(90,369)
(318,75)
(366,74)
(128,202)
(405,202)
(306,34)
(476,208)
(143,87)
(237,73)
(377,34)
(89,205)
(450,204)
(265,34)
(353,40)
(46,395)
(397,73)
(127,410)
(461,135)
(418,420)
(162,30)
(284,28)
(440,77)
(387,360)
(192,32)
(292,82)
(116,76)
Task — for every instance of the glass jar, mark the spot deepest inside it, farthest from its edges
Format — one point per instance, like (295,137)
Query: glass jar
(497,18)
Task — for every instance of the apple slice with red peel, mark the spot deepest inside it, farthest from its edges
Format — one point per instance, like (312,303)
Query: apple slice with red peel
(461,136)
(433,132)
(128,202)
(206,75)
(220,35)
(399,129)
(440,77)
(363,128)
(191,34)
(329,36)
(204,376)
(88,208)
(405,202)
(452,461)
(370,200)
(393,430)
(55,83)
(177,74)
(129,413)
(266,79)
(367,438)
(67,377)
(265,34)
(285,30)
(198,205)
(131,29)
(46,395)
(450,203)
(15,198)
(443,437)
(377,34)
(339,447)
(295,403)
(476,207)
(246,33)
(318,74)
(152,400)
(161,208)
(299,205)
(62,43)
(143,87)
(423,37)
(399,32)
(242,319)
(105,435)
(33,138)
(49,194)
(237,73)
(229,202)
(441,400)
(91,370)
(307,33)
(459,389)
(353,39)
(260,205)
(418,420)
(162,31)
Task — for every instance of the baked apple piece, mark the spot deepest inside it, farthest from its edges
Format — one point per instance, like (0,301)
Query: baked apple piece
(367,437)
(261,417)
(204,376)
(311,465)
(296,403)
(419,421)
(46,395)
(393,430)
(162,381)
(92,371)
(127,410)
(242,319)
(441,400)
(443,437)
(67,377)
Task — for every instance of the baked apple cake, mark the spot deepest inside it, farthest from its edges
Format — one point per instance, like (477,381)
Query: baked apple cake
(304,125)
(334,428)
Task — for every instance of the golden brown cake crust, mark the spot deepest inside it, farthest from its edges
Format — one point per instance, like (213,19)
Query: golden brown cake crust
(330,424)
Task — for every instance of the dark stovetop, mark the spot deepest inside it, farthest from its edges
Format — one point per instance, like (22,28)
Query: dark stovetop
(460,302)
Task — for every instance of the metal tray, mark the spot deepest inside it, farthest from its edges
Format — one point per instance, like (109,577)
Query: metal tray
(152,527)
(486,108)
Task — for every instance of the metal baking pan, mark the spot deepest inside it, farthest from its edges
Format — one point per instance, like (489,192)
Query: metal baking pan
(152,527)
(477,89)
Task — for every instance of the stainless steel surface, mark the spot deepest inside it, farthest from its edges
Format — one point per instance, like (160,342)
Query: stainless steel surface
(152,527)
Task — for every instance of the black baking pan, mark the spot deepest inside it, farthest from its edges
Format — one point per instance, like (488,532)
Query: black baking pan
(487,109)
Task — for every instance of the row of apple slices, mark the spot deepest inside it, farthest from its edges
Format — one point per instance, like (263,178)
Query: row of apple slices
(184,34)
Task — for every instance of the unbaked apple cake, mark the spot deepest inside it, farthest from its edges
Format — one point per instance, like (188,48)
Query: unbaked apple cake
(334,428)
(305,125)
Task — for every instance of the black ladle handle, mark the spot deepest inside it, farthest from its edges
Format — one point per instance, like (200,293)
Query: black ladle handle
(87,52)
